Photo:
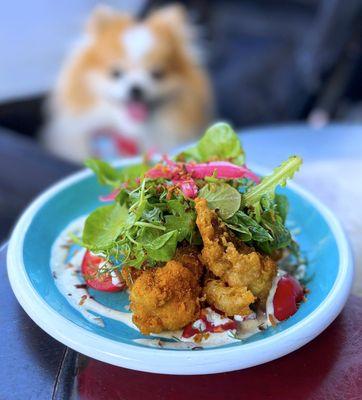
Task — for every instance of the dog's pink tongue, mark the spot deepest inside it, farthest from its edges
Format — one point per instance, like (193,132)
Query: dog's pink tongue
(138,111)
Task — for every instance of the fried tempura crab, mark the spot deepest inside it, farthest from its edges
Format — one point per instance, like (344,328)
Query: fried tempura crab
(197,232)
(236,264)
(165,298)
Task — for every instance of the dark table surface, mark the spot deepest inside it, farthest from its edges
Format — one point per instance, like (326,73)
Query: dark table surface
(35,366)
(25,170)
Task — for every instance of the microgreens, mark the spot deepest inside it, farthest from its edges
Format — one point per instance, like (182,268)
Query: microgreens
(152,208)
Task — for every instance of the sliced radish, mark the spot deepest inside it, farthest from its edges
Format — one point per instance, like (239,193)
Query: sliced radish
(103,281)
(187,186)
(203,325)
(222,169)
(288,294)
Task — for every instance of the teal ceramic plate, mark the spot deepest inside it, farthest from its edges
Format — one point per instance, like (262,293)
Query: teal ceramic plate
(321,238)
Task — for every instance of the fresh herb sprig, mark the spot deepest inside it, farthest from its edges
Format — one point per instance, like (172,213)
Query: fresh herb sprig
(255,213)
(142,231)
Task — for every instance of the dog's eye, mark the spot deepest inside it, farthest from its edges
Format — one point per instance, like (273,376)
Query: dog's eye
(116,73)
(158,74)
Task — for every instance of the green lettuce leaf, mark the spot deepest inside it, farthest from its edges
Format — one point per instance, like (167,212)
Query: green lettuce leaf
(109,175)
(247,228)
(219,142)
(221,197)
(269,183)
(106,174)
(163,247)
(282,206)
(103,226)
(182,220)
(281,236)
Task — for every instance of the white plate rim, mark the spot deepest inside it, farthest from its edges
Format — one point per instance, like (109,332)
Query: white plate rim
(175,361)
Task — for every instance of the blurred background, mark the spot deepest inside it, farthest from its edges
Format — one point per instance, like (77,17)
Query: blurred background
(286,74)
(268,61)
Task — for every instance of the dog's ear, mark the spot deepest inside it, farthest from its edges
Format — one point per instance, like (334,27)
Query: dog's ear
(103,16)
(175,19)
(174,15)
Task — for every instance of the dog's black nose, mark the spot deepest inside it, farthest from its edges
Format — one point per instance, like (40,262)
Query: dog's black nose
(136,92)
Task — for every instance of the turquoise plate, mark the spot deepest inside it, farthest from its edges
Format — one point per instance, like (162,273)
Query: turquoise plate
(321,239)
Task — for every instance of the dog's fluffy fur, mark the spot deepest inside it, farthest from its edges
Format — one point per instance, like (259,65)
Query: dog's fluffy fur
(141,79)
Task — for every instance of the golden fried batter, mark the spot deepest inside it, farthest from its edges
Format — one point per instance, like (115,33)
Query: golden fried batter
(165,298)
(230,259)
(229,300)
(130,274)
(189,257)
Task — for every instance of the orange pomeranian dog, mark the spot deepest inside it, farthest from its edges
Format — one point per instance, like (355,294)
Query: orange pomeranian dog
(128,86)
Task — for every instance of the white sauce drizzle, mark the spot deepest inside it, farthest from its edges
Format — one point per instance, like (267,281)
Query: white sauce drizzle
(69,280)
(213,340)
(215,318)
(115,279)
(269,301)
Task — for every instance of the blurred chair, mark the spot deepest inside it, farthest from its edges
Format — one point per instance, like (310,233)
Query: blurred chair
(274,61)
(270,60)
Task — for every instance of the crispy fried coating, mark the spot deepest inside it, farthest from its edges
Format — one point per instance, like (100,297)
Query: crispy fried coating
(189,257)
(130,274)
(231,260)
(165,298)
(230,300)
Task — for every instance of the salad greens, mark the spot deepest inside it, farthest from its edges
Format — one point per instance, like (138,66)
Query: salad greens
(222,197)
(142,227)
(153,209)
(247,228)
(107,175)
(266,188)
(104,225)
(220,142)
